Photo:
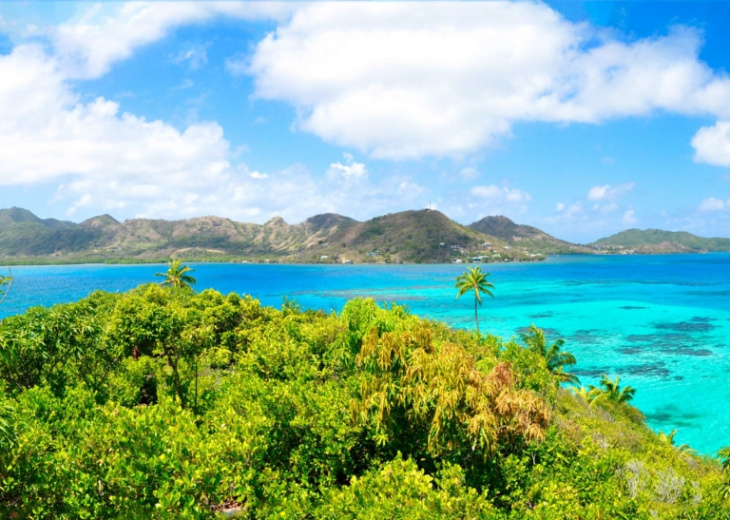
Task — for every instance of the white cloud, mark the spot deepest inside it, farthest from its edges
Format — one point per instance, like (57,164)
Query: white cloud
(567,212)
(410,189)
(712,144)
(598,210)
(111,161)
(713,204)
(196,56)
(237,65)
(469,173)
(609,193)
(598,192)
(629,217)
(496,193)
(349,171)
(107,33)
(46,132)
(409,79)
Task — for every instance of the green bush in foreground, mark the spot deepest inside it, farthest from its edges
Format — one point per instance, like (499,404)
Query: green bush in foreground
(163,403)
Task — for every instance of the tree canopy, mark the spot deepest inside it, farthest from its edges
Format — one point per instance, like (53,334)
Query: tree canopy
(175,404)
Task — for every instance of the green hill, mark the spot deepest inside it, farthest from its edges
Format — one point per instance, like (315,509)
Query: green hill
(659,241)
(525,236)
(409,236)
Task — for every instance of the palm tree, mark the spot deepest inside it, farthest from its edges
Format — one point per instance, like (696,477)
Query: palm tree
(475,280)
(587,395)
(555,358)
(5,283)
(612,391)
(724,454)
(176,276)
(668,438)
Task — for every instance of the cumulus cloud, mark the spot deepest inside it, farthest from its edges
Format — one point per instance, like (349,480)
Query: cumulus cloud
(469,173)
(713,204)
(195,56)
(608,192)
(46,132)
(602,208)
(451,80)
(351,170)
(88,46)
(567,211)
(106,160)
(712,144)
(496,193)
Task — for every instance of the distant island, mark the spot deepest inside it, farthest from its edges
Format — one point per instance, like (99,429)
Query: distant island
(425,236)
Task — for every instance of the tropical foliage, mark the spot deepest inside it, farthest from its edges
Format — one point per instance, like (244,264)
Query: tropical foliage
(168,404)
(473,279)
(611,390)
(177,275)
(5,282)
(555,357)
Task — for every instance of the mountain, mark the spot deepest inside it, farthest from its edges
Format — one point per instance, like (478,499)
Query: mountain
(19,216)
(408,236)
(525,236)
(100,222)
(659,241)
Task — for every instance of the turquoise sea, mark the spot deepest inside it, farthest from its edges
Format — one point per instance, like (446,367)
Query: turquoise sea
(660,322)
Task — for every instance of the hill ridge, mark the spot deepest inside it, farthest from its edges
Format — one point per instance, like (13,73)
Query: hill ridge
(411,236)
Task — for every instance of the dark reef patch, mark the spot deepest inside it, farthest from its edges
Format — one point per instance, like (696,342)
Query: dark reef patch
(655,370)
(681,284)
(549,333)
(586,336)
(632,307)
(660,340)
(707,293)
(630,350)
(591,372)
(543,315)
(686,351)
(671,414)
(686,326)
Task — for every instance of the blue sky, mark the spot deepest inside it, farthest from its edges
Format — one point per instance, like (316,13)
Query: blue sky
(581,118)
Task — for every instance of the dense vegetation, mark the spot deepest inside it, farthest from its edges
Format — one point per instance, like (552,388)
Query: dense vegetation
(164,403)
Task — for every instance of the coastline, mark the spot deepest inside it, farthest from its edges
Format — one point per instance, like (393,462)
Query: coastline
(236,259)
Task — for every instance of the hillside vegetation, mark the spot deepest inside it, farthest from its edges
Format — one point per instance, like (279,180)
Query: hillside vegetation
(658,241)
(409,236)
(526,236)
(425,236)
(163,403)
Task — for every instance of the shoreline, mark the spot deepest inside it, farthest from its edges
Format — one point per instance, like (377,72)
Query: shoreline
(23,262)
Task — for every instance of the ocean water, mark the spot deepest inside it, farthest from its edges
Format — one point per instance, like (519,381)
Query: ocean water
(660,322)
